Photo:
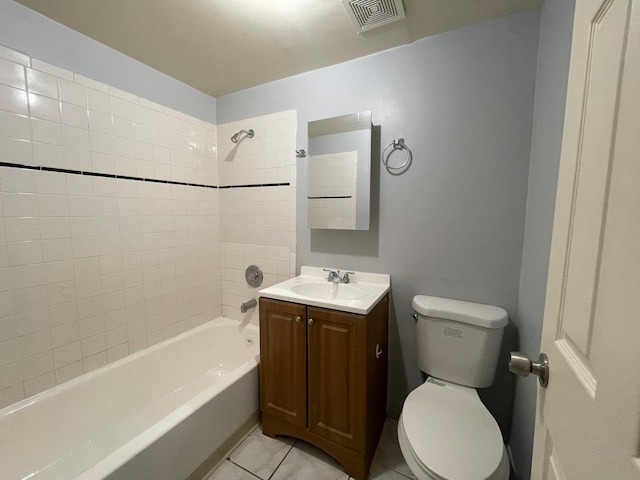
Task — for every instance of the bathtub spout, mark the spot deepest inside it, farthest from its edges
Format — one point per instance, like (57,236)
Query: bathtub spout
(247,305)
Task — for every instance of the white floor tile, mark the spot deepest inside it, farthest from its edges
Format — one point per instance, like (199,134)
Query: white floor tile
(260,454)
(265,458)
(306,462)
(229,471)
(388,453)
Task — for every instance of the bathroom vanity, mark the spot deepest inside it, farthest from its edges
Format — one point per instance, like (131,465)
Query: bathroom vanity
(323,371)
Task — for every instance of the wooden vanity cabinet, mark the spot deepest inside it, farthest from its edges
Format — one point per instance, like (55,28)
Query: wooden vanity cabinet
(323,378)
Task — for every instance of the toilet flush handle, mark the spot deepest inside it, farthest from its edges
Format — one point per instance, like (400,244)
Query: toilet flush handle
(521,364)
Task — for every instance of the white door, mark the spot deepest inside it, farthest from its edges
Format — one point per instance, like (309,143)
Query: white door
(588,418)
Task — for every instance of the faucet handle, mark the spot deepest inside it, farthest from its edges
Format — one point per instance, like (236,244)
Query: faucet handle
(333,275)
(345,277)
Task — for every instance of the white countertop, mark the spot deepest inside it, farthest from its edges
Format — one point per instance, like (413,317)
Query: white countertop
(369,288)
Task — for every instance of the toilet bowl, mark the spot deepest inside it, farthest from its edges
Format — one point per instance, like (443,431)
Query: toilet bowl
(446,433)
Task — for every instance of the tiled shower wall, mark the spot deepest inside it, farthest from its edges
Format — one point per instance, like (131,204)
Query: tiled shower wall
(258,222)
(110,227)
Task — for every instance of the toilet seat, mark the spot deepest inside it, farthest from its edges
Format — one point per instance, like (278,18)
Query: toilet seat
(450,434)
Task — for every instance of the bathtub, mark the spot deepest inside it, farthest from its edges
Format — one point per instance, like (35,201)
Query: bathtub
(168,412)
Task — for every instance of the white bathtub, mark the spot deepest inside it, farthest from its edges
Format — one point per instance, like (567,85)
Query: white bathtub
(162,413)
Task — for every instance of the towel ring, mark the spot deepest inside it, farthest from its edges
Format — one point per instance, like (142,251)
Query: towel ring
(396,144)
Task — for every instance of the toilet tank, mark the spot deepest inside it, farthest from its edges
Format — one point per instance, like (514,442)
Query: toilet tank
(458,341)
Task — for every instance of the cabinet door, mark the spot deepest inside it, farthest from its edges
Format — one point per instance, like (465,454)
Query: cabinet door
(336,376)
(283,361)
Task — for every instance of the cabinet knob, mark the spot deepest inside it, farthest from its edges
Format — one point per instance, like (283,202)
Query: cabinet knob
(298,319)
(311,321)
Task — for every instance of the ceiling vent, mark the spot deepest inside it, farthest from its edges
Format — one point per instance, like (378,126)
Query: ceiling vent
(369,14)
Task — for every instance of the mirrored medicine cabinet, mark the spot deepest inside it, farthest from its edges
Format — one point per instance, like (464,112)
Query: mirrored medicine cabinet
(339,172)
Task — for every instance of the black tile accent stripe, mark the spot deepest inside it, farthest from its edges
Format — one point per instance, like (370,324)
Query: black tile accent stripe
(255,185)
(318,198)
(137,179)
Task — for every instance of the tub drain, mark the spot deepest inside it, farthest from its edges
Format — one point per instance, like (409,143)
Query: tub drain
(248,340)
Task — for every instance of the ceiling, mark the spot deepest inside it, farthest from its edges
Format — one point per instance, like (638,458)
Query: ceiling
(223,46)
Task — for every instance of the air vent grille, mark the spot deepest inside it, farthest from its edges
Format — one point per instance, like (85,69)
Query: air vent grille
(369,14)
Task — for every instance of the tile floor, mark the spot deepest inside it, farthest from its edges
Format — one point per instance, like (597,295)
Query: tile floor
(265,458)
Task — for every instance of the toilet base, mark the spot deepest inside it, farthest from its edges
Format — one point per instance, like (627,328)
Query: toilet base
(502,473)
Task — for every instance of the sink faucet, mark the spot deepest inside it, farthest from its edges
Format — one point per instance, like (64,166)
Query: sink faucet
(334,276)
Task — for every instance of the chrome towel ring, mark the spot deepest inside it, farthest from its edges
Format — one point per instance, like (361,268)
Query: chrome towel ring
(396,144)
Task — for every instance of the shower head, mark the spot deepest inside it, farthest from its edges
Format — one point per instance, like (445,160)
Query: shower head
(236,137)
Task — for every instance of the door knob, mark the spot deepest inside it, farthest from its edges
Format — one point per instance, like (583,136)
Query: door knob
(521,364)
(298,319)
(311,321)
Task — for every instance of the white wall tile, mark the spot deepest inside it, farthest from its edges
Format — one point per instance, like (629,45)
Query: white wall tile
(53,206)
(37,365)
(68,372)
(94,362)
(100,122)
(44,107)
(88,298)
(54,227)
(42,83)
(65,334)
(22,228)
(66,354)
(14,56)
(39,384)
(60,271)
(73,93)
(16,151)
(74,115)
(75,159)
(13,100)
(51,69)
(53,183)
(48,155)
(14,126)
(12,74)
(90,83)
(43,131)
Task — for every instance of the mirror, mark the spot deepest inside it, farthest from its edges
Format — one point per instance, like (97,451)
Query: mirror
(339,172)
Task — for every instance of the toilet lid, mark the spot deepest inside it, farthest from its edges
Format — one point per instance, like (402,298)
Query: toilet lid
(451,432)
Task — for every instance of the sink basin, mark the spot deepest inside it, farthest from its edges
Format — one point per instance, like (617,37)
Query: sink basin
(338,291)
(312,288)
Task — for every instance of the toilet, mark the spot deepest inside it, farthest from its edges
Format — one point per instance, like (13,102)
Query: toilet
(445,432)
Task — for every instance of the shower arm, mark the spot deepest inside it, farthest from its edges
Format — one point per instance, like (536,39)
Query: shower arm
(235,138)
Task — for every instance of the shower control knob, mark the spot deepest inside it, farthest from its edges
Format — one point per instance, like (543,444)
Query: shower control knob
(521,364)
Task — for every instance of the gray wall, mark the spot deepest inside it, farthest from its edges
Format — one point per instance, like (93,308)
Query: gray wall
(551,89)
(29,32)
(453,224)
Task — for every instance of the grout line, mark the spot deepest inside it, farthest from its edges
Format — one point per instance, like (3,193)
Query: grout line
(281,461)
(242,468)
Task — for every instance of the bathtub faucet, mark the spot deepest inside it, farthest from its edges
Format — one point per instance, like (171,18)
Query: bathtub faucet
(247,305)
